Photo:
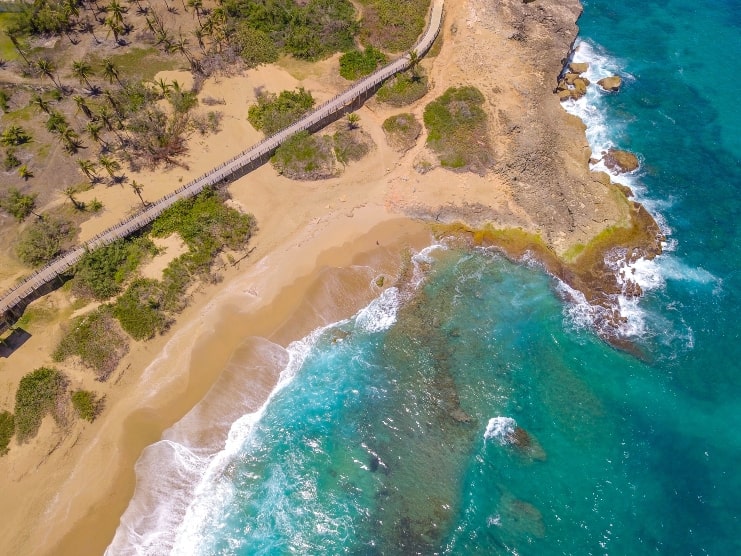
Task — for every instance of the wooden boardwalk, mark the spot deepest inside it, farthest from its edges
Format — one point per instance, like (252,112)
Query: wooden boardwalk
(14,300)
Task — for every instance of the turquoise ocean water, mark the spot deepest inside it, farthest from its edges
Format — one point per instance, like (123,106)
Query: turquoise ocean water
(479,413)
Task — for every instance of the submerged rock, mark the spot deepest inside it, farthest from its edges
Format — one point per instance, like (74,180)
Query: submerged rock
(620,161)
(611,84)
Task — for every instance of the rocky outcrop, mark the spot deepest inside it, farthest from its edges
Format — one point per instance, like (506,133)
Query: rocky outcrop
(611,84)
(620,161)
(578,67)
(572,86)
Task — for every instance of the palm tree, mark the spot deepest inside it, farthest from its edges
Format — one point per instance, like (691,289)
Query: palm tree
(117,12)
(47,68)
(115,28)
(81,70)
(110,71)
(87,167)
(82,106)
(137,187)
(414,64)
(38,101)
(70,193)
(197,6)
(25,172)
(163,85)
(70,140)
(353,120)
(14,136)
(93,130)
(110,165)
(56,122)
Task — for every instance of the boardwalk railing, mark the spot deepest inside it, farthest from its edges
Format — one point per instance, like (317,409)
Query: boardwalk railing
(20,294)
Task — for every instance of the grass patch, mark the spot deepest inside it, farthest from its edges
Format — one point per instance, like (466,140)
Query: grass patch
(100,273)
(403,89)
(138,63)
(86,405)
(351,144)
(96,339)
(393,25)
(306,157)
(7,428)
(357,63)
(39,393)
(457,130)
(402,131)
(7,50)
(274,112)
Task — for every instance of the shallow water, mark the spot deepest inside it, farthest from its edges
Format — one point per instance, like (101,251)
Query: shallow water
(478,412)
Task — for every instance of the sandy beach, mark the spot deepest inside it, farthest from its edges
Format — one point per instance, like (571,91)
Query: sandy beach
(314,260)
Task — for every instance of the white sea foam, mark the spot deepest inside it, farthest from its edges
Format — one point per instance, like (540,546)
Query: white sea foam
(500,429)
(381,313)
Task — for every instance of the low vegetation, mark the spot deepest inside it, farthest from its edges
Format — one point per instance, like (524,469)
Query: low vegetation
(101,273)
(140,309)
(351,144)
(404,89)
(402,131)
(146,307)
(308,30)
(274,112)
(392,25)
(86,405)
(356,63)
(306,157)
(7,428)
(39,393)
(457,130)
(44,239)
(96,339)
(17,204)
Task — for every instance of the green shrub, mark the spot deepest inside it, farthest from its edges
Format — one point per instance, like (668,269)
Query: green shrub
(7,428)
(255,46)
(393,25)
(15,203)
(404,89)
(96,339)
(86,405)
(457,130)
(402,131)
(38,393)
(306,157)
(100,273)
(139,309)
(272,113)
(356,64)
(44,239)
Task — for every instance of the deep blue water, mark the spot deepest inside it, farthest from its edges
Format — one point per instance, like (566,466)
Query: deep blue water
(483,415)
